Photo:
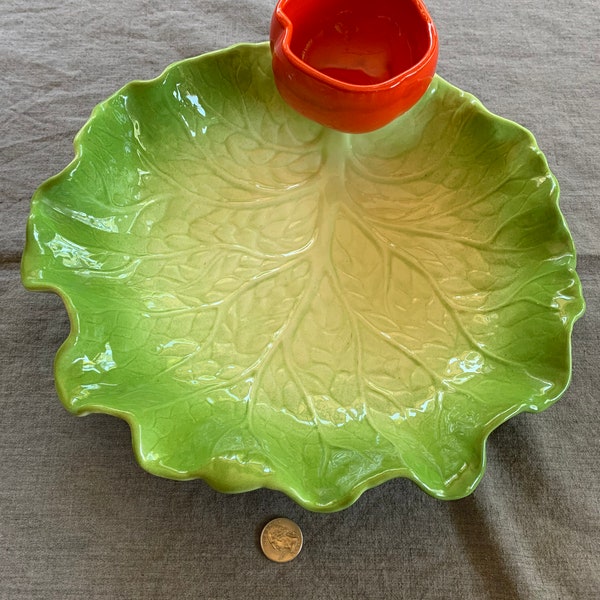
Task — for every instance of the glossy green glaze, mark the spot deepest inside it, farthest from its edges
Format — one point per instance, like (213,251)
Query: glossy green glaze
(270,303)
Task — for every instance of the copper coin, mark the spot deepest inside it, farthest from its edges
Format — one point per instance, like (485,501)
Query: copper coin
(281,540)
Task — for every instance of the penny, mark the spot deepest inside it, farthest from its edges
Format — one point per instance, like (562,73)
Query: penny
(281,540)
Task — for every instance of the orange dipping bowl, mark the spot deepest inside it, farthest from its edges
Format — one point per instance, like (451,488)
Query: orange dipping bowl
(353,65)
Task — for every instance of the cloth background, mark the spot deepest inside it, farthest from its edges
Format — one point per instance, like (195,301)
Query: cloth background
(78,517)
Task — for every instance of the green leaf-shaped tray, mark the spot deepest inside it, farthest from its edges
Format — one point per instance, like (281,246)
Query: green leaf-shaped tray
(269,303)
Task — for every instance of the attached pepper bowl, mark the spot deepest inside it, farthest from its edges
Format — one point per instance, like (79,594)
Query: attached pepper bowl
(353,65)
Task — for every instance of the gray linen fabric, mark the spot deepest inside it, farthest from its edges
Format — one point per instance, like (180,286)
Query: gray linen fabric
(79,519)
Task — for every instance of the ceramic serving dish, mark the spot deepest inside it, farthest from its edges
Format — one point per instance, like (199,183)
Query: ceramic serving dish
(269,303)
(353,65)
